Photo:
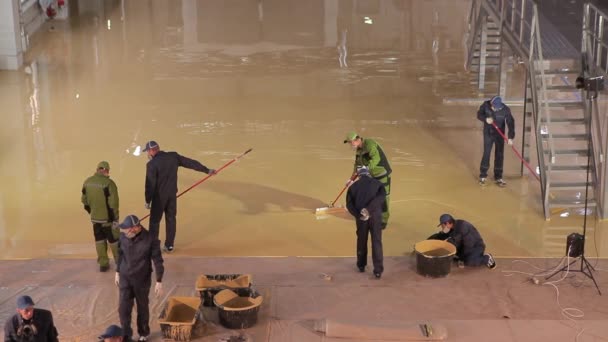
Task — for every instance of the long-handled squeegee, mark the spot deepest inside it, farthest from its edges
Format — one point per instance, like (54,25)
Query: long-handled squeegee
(516,152)
(208,176)
(332,208)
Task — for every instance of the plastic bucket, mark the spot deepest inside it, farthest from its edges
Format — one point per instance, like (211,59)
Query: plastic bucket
(208,285)
(238,310)
(434,258)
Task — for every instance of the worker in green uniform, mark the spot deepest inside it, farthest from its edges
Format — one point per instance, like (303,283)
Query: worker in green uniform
(100,200)
(369,153)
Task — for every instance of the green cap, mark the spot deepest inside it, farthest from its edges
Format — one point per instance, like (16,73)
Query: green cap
(351,136)
(103,165)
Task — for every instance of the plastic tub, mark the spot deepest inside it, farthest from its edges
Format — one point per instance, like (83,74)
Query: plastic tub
(434,258)
(179,317)
(208,285)
(238,310)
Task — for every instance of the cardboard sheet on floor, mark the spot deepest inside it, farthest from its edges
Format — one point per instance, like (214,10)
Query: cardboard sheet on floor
(381,330)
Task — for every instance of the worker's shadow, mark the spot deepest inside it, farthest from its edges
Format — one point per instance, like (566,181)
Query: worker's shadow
(258,198)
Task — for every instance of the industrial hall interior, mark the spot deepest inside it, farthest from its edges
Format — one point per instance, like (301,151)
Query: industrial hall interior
(304,170)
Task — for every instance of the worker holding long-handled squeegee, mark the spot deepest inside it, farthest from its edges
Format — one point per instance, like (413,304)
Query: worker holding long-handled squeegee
(495,115)
(368,153)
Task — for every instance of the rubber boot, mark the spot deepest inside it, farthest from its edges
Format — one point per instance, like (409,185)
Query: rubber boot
(102,255)
(386,181)
(114,249)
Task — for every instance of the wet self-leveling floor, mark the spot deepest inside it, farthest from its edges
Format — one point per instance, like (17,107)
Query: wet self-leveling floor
(289,79)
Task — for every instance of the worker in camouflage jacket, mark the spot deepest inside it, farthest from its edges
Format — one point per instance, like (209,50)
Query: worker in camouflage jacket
(100,200)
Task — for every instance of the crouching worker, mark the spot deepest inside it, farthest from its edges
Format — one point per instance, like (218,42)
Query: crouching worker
(365,200)
(470,248)
(30,324)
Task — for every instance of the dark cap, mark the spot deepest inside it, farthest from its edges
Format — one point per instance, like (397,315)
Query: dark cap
(362,171)
(24,302)
(130,221)
(151,145)
(112,331)
(496,102)
(445,218)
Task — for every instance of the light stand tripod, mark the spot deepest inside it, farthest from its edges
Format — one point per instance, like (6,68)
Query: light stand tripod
(591,85)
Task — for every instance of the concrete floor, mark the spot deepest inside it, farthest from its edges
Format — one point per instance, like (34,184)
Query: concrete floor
(472,303)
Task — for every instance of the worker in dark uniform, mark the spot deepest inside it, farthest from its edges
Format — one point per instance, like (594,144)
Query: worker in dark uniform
(161,188)
(30,324)
(113,334)
(470,248)
(370,154)
(138,249)
(495,112)
(100,200)
(364,200)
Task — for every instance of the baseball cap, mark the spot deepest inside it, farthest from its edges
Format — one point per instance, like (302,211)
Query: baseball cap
(496,101)
(112,331)
(362,170)
(103,165)
(24,302)
(130,221)
(150,145)
(350,136)
(444,219)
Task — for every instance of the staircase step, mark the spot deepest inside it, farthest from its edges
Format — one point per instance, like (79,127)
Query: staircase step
(570,151)
(567,167)
(576,136)
(564,119)
(552,72)
(571,203)
(561,87)
(564,104)
(569,185)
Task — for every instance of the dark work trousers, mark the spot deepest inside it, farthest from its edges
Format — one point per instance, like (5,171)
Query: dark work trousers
(168,206)
(103,233)
(128,293)
(372,227)
(499,153)
(475,256)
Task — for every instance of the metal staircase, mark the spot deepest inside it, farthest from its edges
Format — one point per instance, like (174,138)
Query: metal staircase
(555,113)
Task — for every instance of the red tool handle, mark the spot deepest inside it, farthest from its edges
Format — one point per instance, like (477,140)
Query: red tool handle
(343,189)
(207,177)
(516,152)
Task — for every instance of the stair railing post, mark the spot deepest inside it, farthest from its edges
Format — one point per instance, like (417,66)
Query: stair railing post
(521,21)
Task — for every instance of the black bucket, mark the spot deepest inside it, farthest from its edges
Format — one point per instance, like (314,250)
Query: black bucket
(208,285)
(238,310)
(434,258)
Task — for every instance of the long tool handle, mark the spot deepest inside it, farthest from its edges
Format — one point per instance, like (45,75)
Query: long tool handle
(343,189)
(207,177)
(516,152)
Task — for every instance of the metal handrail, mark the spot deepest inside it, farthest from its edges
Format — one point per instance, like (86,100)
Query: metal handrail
(592,45)
(519,20)
(595,37)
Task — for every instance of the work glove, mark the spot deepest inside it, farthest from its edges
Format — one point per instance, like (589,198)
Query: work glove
(115,225)
(510,141)
(364,215)
(148,205)
(212,172)
(117,278)
(87,208)
(158,289)
(489,121)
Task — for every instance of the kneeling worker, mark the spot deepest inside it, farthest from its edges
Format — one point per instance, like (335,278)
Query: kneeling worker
(470,248)
(364,200)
